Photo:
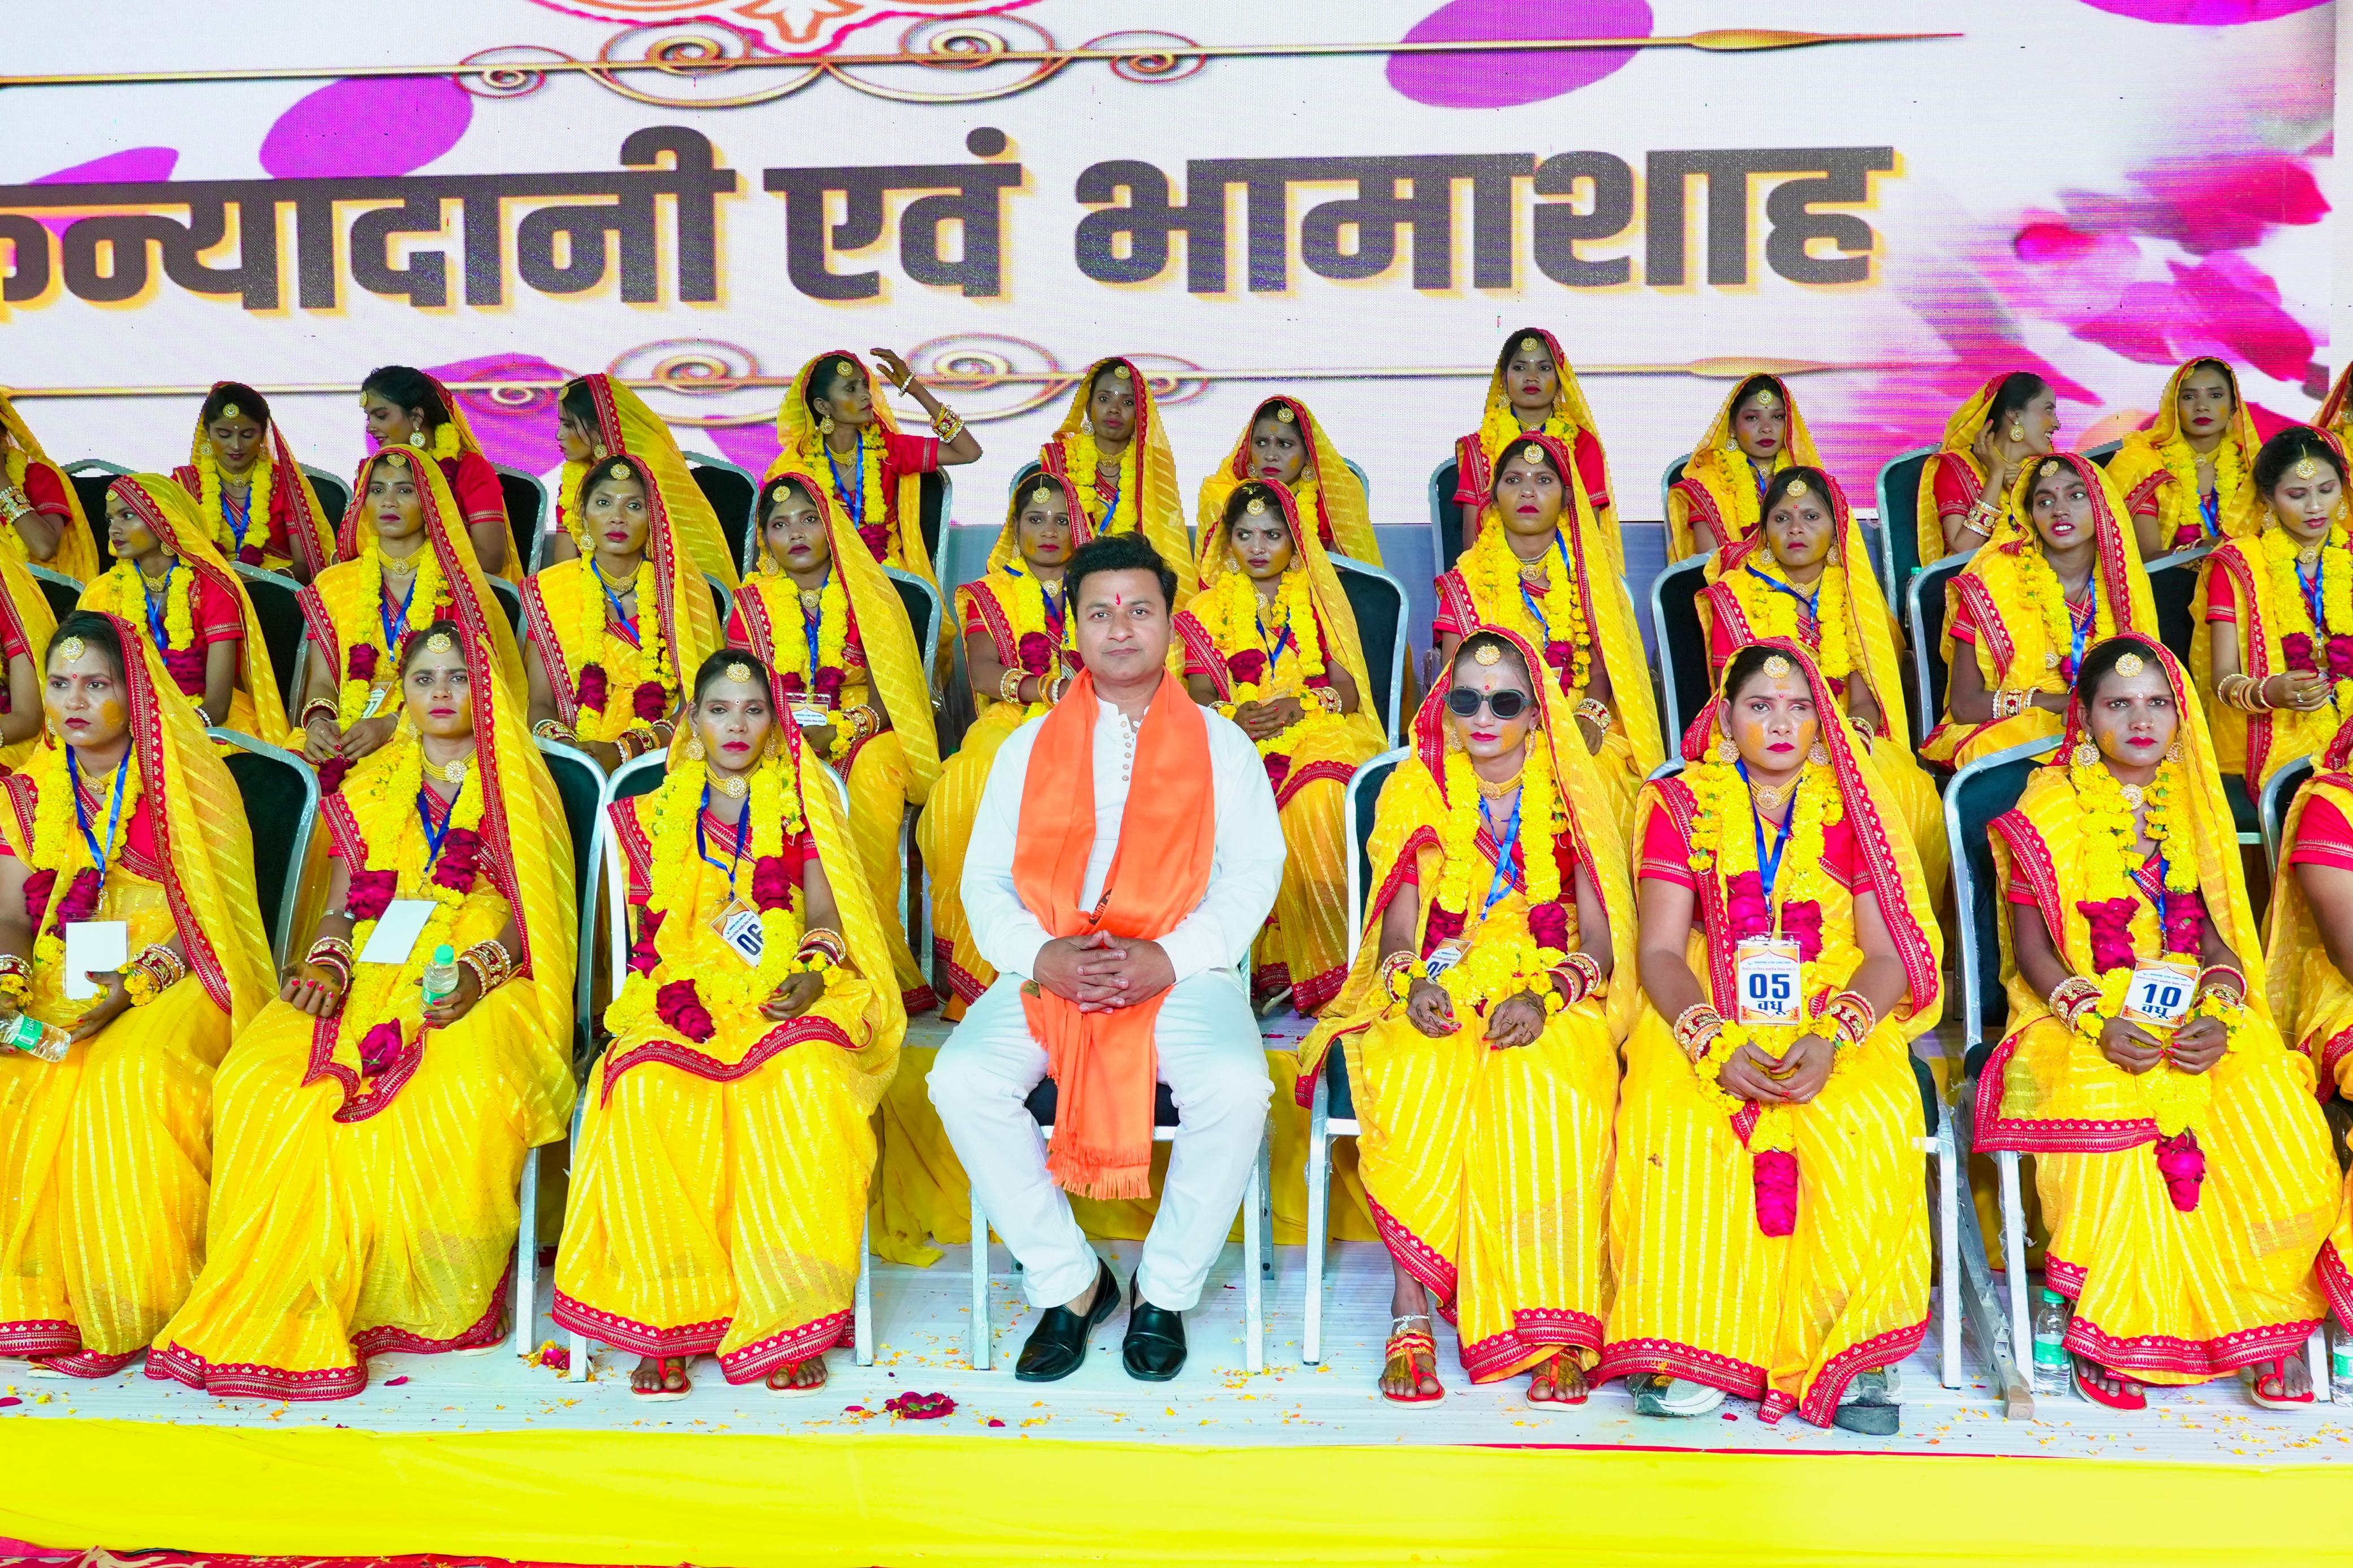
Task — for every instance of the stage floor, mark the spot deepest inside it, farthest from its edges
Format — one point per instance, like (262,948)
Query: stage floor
(920,1316)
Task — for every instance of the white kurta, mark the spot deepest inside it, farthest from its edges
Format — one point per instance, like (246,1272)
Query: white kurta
(1209,1050)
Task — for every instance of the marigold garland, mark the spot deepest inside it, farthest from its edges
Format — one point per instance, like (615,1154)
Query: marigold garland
(1493,574)
(1772,612)
(831,676)
(2047,611)
(1498,965)
(2324,649)
(121,592)
(872,508)
(63,883)
(1745,498)
(362,658)
(1239,623)
(601,646)
(1021,596)
(2230,482)
(212,507)
(1083,463)
(1501,425)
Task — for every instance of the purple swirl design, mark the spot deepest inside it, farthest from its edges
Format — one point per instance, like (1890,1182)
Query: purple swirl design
(367,126)
(1502,81)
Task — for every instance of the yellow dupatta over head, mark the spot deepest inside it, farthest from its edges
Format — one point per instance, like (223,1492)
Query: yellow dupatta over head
(1865,625)
(308,527)
(999,596)
(1328,491)
(2157,462)
(77,555)
(464,586)
(804,452)
(1719,484)
(200,828)
(1156,508)
(2311,999)
(627,426)
(1960,439)
(1407,839)
(165,510)
(770,608)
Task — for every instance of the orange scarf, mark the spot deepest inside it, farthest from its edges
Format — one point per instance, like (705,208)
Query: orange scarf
(1102,1064)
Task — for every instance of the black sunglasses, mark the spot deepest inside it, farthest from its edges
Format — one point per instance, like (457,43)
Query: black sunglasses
(1505,705)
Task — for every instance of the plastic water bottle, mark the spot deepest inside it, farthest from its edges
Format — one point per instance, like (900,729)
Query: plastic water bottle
(440,975)
(2340,1364)
(2051,1371)
(35,1038)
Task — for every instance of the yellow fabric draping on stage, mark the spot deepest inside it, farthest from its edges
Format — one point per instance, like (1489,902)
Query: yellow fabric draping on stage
(792,1502)
(920,1190)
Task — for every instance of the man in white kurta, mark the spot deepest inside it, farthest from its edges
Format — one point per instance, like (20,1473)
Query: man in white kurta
(1210,1054)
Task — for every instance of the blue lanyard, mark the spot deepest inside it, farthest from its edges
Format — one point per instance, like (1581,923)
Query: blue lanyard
(1506,877)
(1769,867)
(1561,545)
(395,630)
(1111,510)
(433,836)
(841,486)
(813,626)
(238,522)
(612,603)
(1053,601)
(1275,654)
(2313,594)
(2210,514)
(1812,602)
(155,620)
(2159,900)
(703,841)
(99,854)
(2078,628)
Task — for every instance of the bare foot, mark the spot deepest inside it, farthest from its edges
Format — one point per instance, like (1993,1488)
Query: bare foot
(1559,1381)
(2287,1380)
(660,1374)
(801,1376)
(2106,1381)
(1411,1368)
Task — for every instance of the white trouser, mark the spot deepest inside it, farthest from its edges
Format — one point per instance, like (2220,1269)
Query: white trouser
(1214,1063)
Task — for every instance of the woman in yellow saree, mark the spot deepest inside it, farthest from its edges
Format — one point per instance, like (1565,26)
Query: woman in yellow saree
(820,613)
(719,1187)
(615,421)
(1018,653)
(1720,500)
(2185,479)
(1113,447)
(125,814)
(609,634)
(1283,445)
(40,512)
(27,624)
(1769,1230)
(407,563)
(2061,573)
(1534,391)
(1966,489)
(1545,574)
(2276,607)
(2181,1161)
(1482,1042)
(169,581)
(1806,576)
(846,441)
(367,1142)
(1271,641)
(249,491)
(405,407)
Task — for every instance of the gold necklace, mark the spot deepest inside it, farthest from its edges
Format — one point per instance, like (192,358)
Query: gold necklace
(1499,790)
(155,584)
(732,786)
(621,593)
(1769,799)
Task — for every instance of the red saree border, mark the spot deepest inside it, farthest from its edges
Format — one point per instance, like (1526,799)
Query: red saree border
(687,1059)
(752,1363)
(1415,1256)
(31,1337)
(1534,1331)
(387,1338)
(2211,1358)
(1996,1133)
(628,1334)
(1701,502)
(2336,1282)
(961,982)
(1672,1358)
(1313,773)
(1318,991)
(1819,1403)
(93,1363)
(175,1362)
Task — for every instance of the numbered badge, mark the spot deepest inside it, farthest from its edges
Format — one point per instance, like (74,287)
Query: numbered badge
(738,925)
(2159,994)
(1442,960)
(1766,972)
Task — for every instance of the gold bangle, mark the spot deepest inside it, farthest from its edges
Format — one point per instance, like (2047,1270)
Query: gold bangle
(321,706)
(1593,708)
(1009,685)
(947,424)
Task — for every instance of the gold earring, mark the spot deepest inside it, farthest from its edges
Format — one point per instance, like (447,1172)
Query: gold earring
(2086,755)
(2017,431)
(1086,426)
(417,439)
(2173,751)
(825,425)
(1820,756)
(596,451)
(774,748)
(694,753)
(1725,752)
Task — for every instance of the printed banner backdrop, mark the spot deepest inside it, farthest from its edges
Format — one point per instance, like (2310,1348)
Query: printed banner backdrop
(1336,201)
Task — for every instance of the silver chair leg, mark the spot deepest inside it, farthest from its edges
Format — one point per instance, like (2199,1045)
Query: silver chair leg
(861,1309)
(1253,1282)
(2013,1258)
(1266,1200)
(1948,1251)
(525,1306)
(1319,1195)
(978,1332)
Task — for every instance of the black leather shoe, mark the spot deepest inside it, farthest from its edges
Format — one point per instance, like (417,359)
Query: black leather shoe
(1154,1350)
(1058,1345)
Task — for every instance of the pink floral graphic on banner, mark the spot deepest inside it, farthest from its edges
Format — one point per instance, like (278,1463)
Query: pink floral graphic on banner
(379,126)
(1502,79)
(515,427)
(779,26)
(2202,13)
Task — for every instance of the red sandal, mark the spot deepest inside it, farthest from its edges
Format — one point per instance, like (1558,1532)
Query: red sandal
(2274,1373)
(2127,1397)
(1549,1371)
(1414,1347)
(662,1391)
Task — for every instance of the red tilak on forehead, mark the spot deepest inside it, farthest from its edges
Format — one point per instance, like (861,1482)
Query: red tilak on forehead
(1116,601)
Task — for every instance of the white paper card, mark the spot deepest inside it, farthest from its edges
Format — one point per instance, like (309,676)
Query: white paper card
(1767,974)
(93,944)
(395,934)
(811,718)
(2161,995)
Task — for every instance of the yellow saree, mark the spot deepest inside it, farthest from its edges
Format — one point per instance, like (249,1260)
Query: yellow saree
(720,1183)
(26,624)
(1240,646)
(882,492)
(2284,622)
(203,602)
(1734,1271)
(106,1157)
(625,425)
(1844,622)
(1487,1171)
(366,1168)
(1953,478)
(1580,606)
(1719,487)
(2007,609)
(849,647)
(609,676)
(1569,422)
(291,525)
(27,468)
(1328,490)
(1141,495)
(2157,473)
(2175,1279)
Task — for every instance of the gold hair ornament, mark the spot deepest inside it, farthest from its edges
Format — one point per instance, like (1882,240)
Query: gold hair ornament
(1798,488)
(1776,666)
(2129,665)
(739,672)
(1487,653)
